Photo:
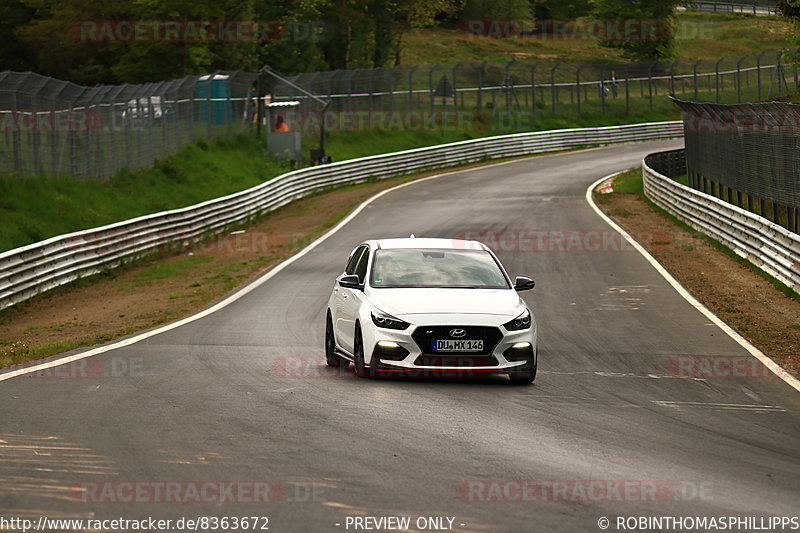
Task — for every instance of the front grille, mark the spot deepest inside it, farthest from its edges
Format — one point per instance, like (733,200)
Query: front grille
(460,361)
(424,336)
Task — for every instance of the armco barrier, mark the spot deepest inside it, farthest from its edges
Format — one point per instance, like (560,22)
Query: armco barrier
(32,269)
(771,247)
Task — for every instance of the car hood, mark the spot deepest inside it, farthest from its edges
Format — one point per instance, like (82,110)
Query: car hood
(407,302)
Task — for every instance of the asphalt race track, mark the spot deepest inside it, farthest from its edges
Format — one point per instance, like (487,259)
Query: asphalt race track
(610,428)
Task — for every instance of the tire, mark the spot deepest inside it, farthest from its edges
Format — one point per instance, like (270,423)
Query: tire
(358,356)
(331,357)
(525,378)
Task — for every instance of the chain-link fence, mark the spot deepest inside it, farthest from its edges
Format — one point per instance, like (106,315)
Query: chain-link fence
(555,89)
(746,154)
(54,127)
(57,128)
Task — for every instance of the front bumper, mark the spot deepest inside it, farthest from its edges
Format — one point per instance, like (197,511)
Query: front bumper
(406,352)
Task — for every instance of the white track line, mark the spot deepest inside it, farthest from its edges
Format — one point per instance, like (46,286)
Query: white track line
(244,290)
(774,367)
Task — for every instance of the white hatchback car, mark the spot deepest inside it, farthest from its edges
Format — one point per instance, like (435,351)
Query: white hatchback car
(430,307)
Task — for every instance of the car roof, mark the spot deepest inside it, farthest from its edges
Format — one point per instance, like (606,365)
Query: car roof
(429,243)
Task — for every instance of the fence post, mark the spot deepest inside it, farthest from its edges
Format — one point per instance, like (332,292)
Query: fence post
(455,85)
(694,77)
(578,87)
(650,82)
(716,71)
(15,136)
(410,99)
(780,74)
(430,86)
(507,84)
(603,88)
(391,90)
(627,90)
(533,88)
(553,88)
(758,73)
(739,80)
(209,106)
(37,136)
(480,85)
(672,77)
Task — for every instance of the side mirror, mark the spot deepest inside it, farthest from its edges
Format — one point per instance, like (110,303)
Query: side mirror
(350,281)
(523,284)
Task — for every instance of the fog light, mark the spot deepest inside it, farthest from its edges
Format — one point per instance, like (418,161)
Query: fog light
(391,344)
(520,351)
(389,351)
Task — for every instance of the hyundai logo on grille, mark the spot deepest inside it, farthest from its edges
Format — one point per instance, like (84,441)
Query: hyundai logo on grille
(457,333)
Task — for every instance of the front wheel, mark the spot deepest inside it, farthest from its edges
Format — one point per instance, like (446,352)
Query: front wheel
(527,377)
(358,357)
(331,357)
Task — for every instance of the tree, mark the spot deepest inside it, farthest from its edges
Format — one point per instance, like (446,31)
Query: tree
(14,55)
(561,9)
(408,15)
(58,48)
(498,9)
(643,29)
(789,8)
(191,53)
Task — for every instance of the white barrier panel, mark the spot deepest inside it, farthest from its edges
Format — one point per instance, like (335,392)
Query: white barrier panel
(772,248)
(32,269)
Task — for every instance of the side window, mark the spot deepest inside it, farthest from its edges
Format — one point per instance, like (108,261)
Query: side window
(361,268)
(353,262)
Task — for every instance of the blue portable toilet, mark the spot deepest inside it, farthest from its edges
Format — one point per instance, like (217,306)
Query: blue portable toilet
(214,96)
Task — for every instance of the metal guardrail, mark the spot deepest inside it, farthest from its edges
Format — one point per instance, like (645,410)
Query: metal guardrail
(771,247)
(35,268)
(732,7)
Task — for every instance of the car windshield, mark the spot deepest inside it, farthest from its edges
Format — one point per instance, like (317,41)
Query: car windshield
(441,268)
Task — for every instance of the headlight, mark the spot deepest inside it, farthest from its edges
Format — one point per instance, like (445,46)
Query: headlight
(523,321)
(385,320)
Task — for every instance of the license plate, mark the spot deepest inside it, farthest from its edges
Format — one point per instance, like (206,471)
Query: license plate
(459,345)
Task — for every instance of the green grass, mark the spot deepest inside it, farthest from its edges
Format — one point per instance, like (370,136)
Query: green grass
(167,270)
(629,182)
(699,36)
(34,209)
